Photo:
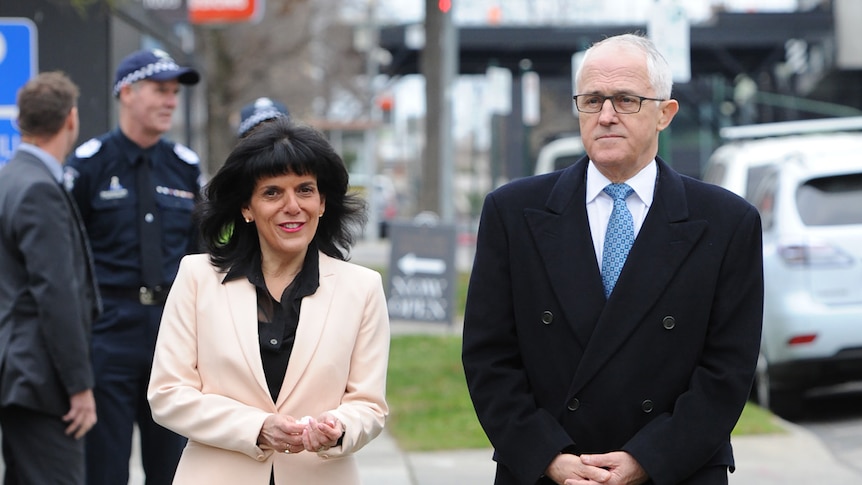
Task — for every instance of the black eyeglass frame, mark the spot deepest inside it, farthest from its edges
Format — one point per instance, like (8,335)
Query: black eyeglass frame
(613,104)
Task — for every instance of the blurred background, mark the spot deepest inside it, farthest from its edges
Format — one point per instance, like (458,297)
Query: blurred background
(432,103)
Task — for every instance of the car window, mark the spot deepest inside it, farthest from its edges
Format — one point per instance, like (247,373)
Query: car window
(756,175)
(763,196)
(833,200)
(715,173)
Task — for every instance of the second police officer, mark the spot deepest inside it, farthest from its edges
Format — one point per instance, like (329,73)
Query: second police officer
(136,191)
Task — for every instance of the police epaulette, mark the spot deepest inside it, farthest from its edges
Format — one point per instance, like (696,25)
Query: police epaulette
(186,154)
(88,148)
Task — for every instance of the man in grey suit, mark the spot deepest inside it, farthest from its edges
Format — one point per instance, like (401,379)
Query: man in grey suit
(613,317)
(48,298)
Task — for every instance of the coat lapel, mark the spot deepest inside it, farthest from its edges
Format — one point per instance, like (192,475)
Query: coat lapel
(309,332)
(663,243)
(560,232)
(242,300)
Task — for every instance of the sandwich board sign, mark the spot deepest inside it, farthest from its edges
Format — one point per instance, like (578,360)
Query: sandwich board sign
(422,272)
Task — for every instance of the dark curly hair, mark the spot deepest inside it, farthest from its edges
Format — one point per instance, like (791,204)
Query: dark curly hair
(274,148)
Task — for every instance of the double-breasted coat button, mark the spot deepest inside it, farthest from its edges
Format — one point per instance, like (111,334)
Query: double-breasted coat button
(647,406)
(668,322)
(574,404)
(547,317)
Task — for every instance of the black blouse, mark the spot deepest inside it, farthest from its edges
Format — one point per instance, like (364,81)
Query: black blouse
(277,321)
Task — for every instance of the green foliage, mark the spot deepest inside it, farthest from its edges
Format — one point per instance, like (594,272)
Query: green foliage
(427,395)
(756,420)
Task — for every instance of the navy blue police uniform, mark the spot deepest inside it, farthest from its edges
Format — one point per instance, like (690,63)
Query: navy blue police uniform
(101,176)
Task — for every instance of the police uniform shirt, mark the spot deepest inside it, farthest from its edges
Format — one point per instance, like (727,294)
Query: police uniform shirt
(101,176)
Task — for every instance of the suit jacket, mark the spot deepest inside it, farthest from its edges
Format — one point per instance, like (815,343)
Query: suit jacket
(208,382)
(48,298)
(662,369)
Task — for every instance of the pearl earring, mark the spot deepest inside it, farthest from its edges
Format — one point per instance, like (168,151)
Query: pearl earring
(247,220)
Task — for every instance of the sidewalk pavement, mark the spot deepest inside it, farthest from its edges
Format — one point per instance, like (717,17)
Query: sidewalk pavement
(795,457)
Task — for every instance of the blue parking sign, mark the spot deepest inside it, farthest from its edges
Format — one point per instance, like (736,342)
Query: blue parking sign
(18,63)
(10,137)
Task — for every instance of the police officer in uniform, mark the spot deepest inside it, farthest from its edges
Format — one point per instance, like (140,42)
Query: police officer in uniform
(136,191)
(260,110)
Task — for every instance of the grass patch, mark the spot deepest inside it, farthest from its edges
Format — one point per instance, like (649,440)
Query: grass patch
(427,393)
(431,408)
(756,420)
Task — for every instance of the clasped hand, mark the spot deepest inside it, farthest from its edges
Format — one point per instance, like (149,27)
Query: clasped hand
(615,468)
(287,434)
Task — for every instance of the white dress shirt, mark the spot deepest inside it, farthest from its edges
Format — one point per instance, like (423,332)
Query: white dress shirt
(600,204)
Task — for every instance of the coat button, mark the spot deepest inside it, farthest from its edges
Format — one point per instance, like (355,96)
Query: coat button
(647,406)
(574,404)
(547,317)
(668,322)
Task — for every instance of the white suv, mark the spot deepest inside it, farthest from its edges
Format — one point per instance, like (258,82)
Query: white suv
(808,189)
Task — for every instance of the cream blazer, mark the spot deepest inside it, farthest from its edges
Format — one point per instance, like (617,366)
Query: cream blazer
(208,383)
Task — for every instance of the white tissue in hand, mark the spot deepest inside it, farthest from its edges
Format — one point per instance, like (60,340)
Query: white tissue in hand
(304,420)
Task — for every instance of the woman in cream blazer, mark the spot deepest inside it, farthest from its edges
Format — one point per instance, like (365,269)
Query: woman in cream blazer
(218,366)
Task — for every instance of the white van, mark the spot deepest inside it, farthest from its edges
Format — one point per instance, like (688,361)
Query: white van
(559,154)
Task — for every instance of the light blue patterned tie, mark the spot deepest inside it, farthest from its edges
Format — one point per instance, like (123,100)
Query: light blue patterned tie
(619,237)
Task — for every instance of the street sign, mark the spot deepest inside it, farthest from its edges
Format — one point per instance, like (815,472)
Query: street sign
(18,63)
(225,11)
(421,272)
(670,30)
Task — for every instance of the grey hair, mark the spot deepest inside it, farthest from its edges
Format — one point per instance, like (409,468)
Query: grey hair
(658,69)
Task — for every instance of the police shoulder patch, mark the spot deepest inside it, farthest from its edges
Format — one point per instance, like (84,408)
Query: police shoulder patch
(88,148)
(186,154)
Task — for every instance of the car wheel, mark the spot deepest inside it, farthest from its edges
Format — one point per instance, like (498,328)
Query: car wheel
(787,403)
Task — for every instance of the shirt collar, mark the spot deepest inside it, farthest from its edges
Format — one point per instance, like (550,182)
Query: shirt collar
(46,158)
(643,182)
(307,280)
(130,149)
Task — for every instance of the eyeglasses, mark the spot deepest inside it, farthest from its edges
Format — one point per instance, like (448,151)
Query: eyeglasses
(623,103)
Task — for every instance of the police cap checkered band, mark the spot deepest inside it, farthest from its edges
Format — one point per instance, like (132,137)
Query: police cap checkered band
(260,110)
(151,64)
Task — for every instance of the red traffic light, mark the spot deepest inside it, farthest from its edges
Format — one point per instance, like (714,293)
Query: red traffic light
(444,5)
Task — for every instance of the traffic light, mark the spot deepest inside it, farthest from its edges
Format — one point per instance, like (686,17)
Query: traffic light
(444,5)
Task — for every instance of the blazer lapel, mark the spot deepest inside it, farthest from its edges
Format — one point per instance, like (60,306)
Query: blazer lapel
(81,230)
(242,300)
(560,232)
(663,243)
(309,332)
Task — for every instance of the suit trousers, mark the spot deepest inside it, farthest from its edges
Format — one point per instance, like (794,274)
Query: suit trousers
(123,345)
(36,449)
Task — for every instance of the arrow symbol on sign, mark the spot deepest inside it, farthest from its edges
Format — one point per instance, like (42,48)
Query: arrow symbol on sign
(410,264)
